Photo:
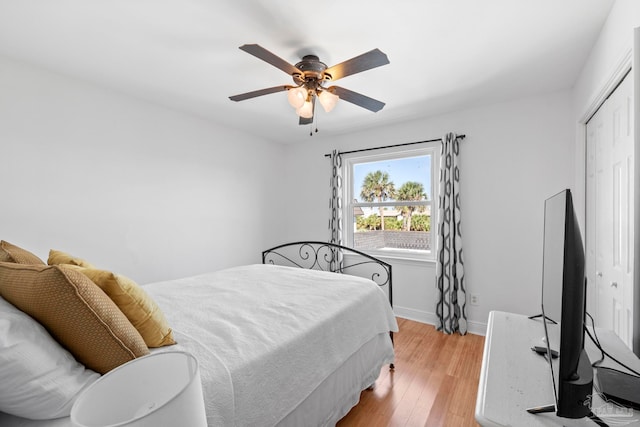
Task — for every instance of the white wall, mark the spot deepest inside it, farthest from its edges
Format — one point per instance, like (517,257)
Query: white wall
(515,155)
(148,192)
(613,45)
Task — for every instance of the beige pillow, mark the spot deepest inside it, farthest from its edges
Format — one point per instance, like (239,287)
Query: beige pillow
(12,253)
(141,310)
(75,311)
(59,257)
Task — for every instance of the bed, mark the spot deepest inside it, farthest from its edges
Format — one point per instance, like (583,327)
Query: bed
(290,320)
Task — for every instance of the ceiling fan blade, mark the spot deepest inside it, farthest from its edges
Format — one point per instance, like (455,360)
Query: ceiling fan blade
(372,59)
(262,53)
(357,98)
(260,92)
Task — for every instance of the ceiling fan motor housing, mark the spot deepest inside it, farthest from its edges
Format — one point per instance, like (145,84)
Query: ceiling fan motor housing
(313,70)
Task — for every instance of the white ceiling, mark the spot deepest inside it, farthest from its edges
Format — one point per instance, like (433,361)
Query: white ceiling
(444,55)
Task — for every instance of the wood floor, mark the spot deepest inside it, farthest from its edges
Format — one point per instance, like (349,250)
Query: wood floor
(434,383)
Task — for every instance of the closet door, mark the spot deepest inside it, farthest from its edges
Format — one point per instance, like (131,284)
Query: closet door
(610,189)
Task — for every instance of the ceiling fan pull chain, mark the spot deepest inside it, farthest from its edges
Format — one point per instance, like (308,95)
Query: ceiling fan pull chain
(313,119)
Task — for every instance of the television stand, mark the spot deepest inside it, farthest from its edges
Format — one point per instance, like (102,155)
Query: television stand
(513,378)
(542,409)
(540,316)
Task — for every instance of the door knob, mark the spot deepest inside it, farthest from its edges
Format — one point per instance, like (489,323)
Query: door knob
(599,273)
(614,284)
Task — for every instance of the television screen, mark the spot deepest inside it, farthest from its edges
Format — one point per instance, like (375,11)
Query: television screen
(553,258)
(564,301)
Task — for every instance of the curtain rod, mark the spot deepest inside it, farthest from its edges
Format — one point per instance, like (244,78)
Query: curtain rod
(392,146)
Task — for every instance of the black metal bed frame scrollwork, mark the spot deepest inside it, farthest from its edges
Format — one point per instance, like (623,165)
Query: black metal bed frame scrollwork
(331,257)
(324,256)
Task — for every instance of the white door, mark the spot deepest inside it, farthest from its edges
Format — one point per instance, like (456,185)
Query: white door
(610,212)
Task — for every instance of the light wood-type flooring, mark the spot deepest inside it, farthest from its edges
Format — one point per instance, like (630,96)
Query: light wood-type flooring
(434,383)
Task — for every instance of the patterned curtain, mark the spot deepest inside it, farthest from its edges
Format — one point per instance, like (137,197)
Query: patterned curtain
(335,206)
(450,283)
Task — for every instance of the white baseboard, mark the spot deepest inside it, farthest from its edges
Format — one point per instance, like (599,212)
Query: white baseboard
(477,328)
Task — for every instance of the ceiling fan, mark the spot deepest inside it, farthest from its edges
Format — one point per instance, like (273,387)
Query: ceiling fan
(310,75)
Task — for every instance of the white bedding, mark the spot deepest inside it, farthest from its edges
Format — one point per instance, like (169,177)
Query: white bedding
(267,337)
(278,331)
(335,397)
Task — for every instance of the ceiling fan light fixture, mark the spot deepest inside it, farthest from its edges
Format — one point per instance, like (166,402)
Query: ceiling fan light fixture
(297,96)
(328,100)
(306,111)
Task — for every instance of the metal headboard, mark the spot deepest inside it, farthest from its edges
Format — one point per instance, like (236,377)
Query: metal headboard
(324,256)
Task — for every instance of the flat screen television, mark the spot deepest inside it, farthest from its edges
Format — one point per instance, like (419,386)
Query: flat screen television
(564,301)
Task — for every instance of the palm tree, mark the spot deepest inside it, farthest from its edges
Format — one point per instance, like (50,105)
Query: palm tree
(411,191)
(377,187)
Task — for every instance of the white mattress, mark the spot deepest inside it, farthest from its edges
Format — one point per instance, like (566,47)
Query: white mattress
(255,328)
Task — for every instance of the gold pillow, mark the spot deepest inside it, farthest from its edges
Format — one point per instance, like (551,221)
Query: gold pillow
(12,253)
(77,313)
(141,310)
(59,257)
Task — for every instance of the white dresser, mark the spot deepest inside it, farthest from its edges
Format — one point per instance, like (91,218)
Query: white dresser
(514,378)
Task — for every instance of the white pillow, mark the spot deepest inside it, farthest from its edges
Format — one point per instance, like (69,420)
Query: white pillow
(40,379)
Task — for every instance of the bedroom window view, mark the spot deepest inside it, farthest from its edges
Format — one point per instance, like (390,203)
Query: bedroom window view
(392,203)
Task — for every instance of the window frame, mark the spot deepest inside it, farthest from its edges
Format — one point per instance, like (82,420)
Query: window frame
(349,161)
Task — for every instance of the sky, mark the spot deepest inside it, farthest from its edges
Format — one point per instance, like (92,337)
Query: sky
(400,171)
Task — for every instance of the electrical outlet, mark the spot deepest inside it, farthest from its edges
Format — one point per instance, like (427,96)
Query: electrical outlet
(475,299)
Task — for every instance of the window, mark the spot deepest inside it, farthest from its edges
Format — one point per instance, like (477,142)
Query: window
(392,202)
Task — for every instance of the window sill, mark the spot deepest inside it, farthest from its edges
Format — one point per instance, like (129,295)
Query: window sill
(409,257)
